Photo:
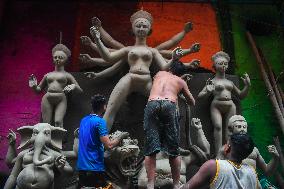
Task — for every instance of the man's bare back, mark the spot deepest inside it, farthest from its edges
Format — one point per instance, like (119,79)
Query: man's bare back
(166,86)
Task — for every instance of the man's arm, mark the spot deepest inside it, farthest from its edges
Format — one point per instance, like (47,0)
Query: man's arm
(203,177)
(109,144)
(187,94)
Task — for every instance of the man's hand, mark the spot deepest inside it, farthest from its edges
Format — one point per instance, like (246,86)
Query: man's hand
(95,33)
(85,58)
(186,78)
(195,47)
(32,81)
(187,27)
(60,162)
(69,88)
(177,53)
(210,87)
(11,137)
(273,151)
(196,123)
(96,22)
(86,41)
(246,79)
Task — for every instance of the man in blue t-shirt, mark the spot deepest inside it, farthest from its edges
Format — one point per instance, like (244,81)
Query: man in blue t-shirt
(93,137)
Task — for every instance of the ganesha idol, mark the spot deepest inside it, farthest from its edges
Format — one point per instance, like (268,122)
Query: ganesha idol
(34,166)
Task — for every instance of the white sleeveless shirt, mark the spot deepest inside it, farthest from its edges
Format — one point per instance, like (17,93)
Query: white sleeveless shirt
(231,176)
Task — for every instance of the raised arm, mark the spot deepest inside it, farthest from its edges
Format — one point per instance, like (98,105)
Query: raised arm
(86,59)
(271,167)
(33,83)
(207,90)
(163,63)
(11,153)
(194,64)
(168,53)
(243,93)
(202,141)
(103,51)
(86,41)
(107,72)
(175,39)
(107,39)
(203,177)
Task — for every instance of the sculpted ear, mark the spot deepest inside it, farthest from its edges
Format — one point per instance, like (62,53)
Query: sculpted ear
(57,135)
(26,133)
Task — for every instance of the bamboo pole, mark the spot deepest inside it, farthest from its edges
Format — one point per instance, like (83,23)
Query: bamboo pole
(273,82)
(266,81)
(278,147)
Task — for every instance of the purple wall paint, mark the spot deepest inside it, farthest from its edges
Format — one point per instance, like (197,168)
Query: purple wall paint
(31,29)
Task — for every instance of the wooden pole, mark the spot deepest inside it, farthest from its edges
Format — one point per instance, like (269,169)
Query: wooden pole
(278,147)
(273,82)
(266,81)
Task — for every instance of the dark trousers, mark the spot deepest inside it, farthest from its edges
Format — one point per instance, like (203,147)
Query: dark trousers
(92,179)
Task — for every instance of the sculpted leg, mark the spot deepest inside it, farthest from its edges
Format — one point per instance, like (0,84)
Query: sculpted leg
(117,97)
(231,112)
(46,110)
(59,113)
(216,118)
(147,89)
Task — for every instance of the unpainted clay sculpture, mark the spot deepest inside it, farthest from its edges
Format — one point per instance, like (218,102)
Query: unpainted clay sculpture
(57,84)
(222,106)
(197,154)
(122,161)
(238,124)
(139,57)
(115,45)
(34,167)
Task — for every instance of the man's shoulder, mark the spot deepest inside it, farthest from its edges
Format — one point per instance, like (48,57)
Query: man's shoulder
(93,118)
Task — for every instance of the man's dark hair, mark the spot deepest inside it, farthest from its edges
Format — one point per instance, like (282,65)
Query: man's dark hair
(242,146)
(178,68)
(98,101)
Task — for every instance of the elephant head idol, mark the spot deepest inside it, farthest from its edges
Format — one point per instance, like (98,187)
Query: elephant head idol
(34,166)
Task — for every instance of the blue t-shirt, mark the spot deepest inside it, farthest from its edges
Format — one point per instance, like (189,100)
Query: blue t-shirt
(91,149)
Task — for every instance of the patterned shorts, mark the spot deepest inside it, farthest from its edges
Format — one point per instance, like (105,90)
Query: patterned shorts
(161,128)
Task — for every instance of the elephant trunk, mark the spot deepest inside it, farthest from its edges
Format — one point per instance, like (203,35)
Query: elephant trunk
(38,147)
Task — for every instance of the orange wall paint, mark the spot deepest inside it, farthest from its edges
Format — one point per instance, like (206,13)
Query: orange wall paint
(169,19)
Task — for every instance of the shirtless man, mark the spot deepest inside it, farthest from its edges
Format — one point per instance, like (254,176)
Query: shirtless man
(238,124)
(160,122)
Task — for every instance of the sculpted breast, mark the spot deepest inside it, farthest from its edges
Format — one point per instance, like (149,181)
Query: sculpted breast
(142,53)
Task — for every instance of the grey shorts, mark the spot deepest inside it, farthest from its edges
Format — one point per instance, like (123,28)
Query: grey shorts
(161,128)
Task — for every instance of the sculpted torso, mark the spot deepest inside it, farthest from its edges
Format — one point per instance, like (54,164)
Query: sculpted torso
(223,89)
(56,81)
(140,59)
